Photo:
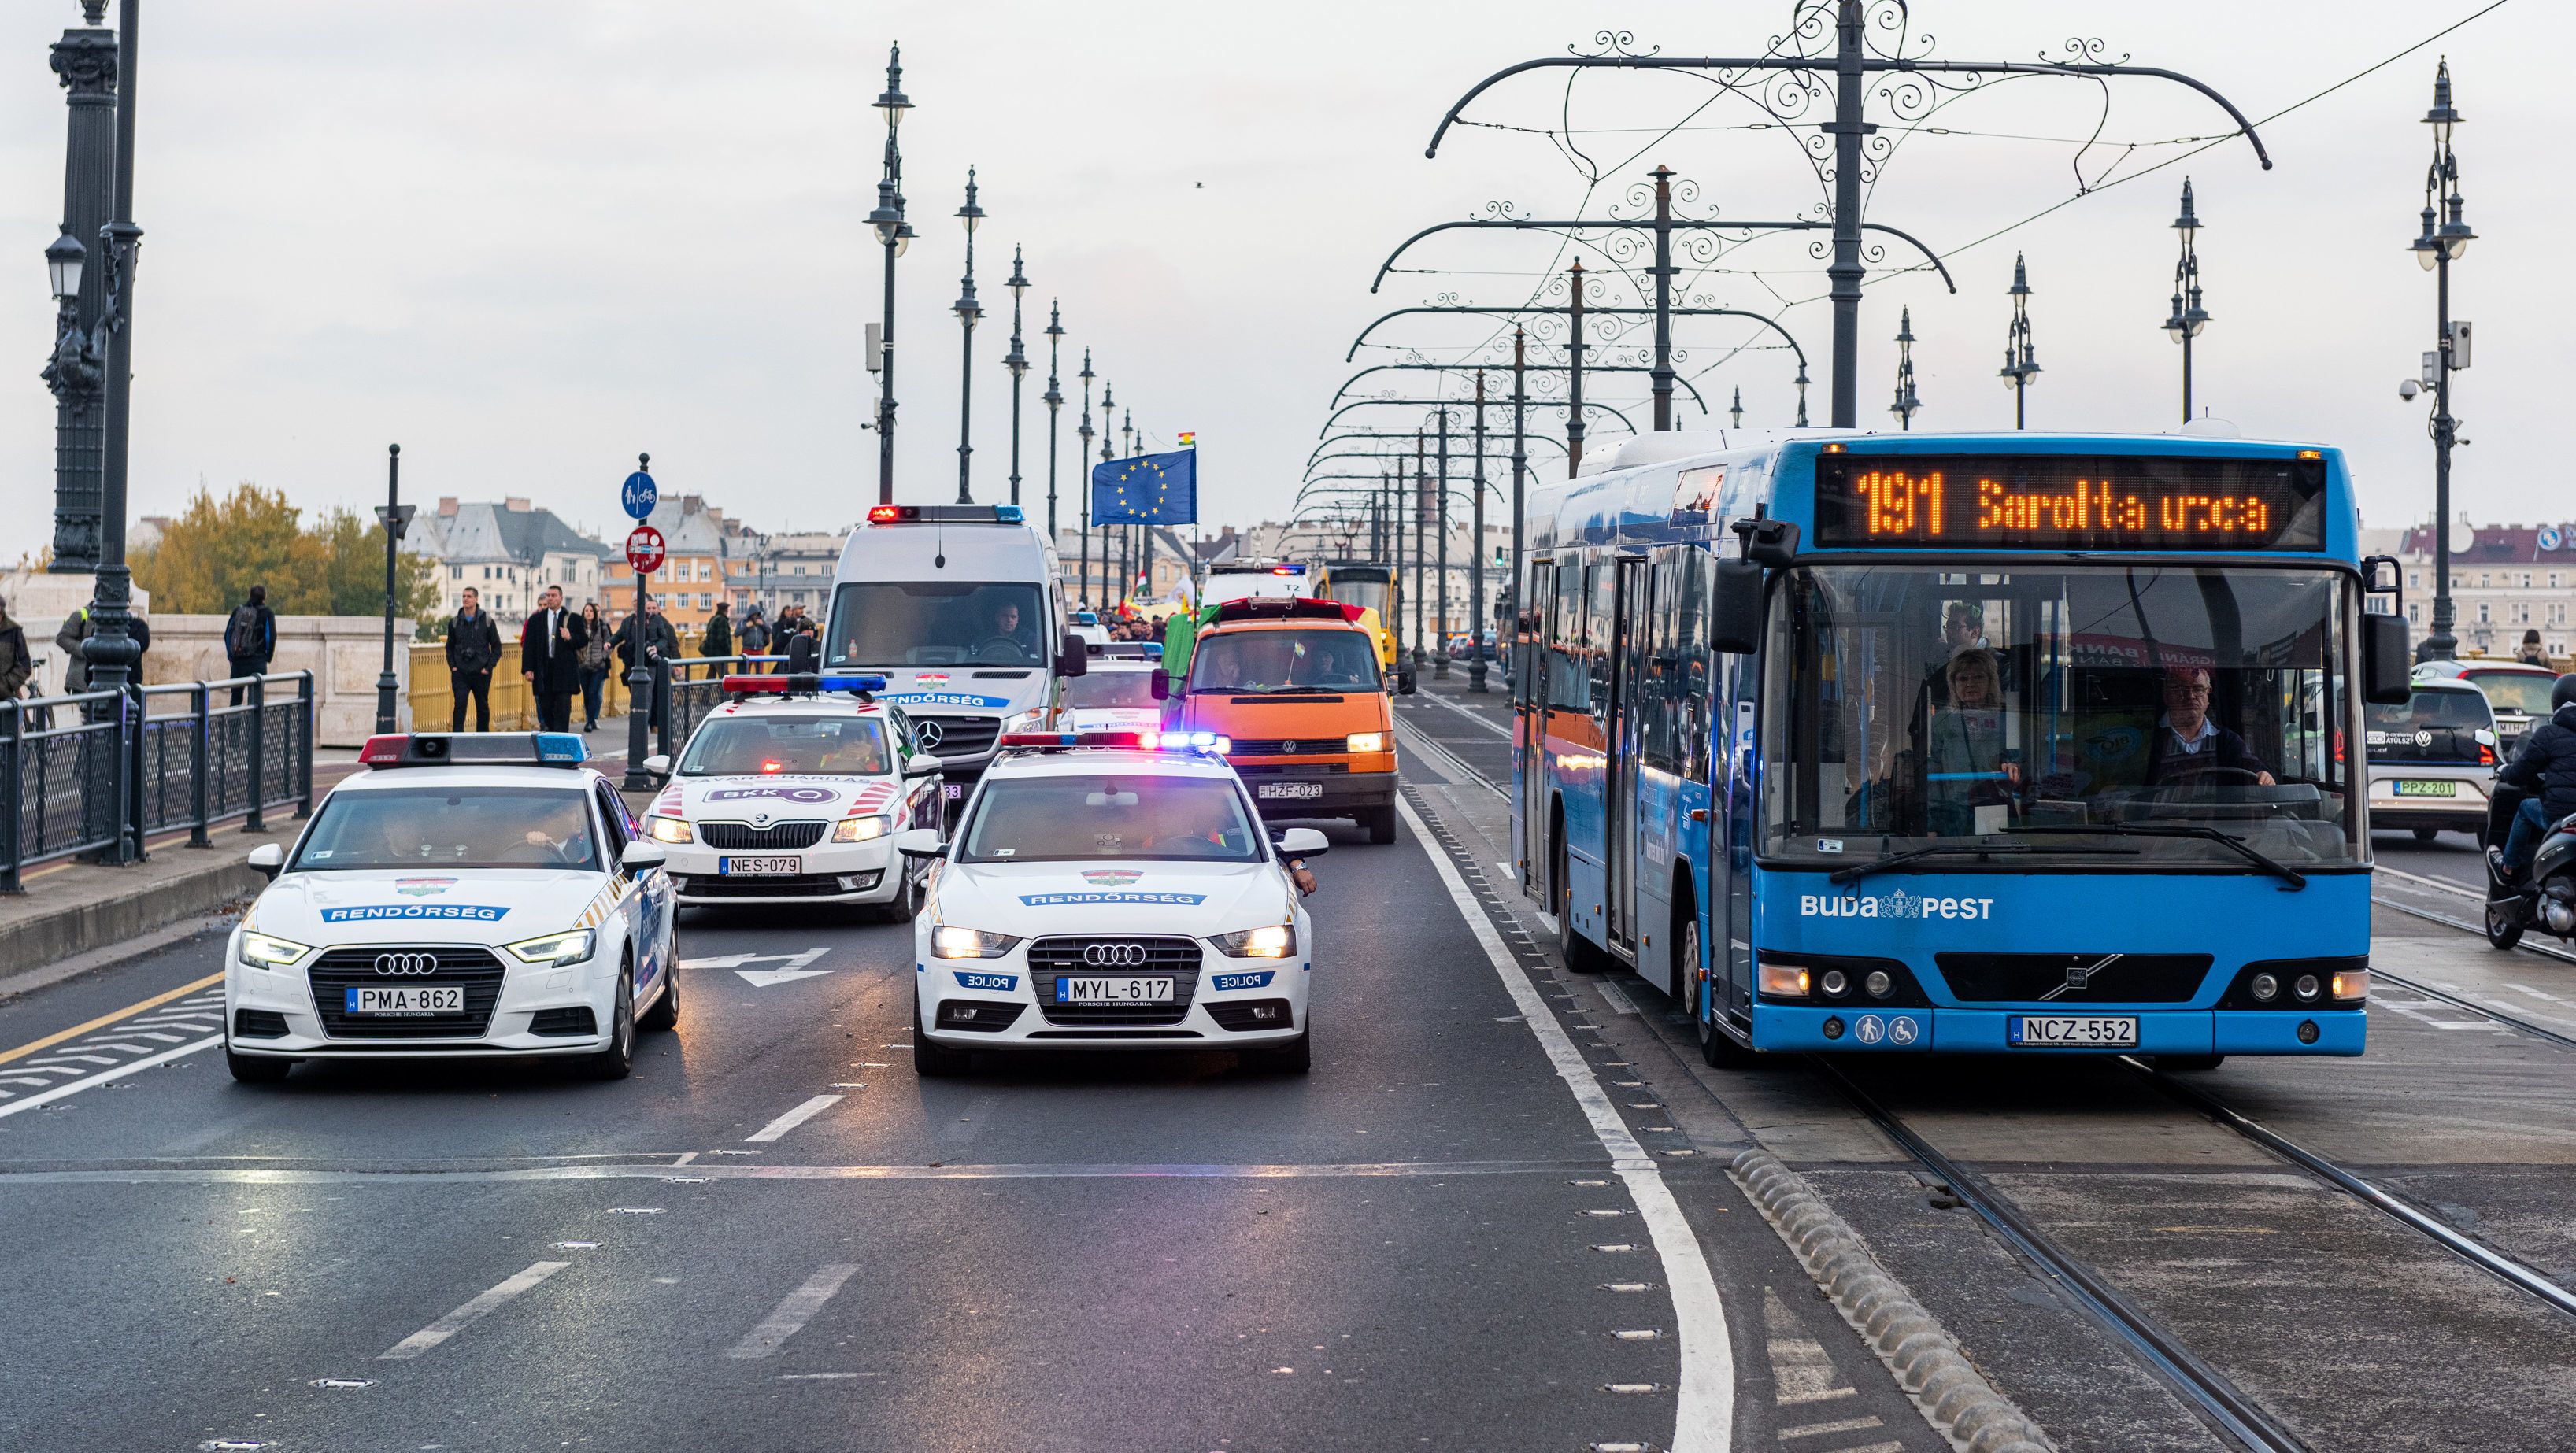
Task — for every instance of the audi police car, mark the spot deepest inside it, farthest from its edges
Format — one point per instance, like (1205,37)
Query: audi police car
(470,896)
(791,792)
(1104,891)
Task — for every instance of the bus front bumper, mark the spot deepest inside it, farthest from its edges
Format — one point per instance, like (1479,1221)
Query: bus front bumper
(1784,1029)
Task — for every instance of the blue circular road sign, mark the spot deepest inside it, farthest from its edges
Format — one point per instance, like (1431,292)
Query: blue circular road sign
(638,495)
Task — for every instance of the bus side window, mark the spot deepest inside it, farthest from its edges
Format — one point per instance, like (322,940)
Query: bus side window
(1529,636)
(1599,616)
(1691,684)
(1567,686)
(1657,700)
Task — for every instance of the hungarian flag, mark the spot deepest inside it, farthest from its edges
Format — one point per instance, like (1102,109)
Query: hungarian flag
(1189,441)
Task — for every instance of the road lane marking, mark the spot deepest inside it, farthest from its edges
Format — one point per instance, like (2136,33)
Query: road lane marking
(1488,723)
(793,1118)
(793,1311)
(77,1030)
(91,1082)
(230,1172)
(2461,889)
(470,1313)
(1704,1411)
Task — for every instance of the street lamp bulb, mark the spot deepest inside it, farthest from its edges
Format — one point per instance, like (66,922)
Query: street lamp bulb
(63,261)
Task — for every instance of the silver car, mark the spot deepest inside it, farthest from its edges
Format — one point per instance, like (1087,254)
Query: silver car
(2432,760)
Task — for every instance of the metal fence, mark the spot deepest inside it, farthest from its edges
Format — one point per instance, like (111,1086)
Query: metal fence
(693,686)
(103,771)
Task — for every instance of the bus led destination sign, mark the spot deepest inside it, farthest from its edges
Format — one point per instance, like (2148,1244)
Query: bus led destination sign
(2070,502)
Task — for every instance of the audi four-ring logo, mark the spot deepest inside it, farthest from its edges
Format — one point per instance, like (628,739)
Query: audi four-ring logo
(406,963)
(1114,955)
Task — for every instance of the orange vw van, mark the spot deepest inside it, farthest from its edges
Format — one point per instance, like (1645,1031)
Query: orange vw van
(1295,686)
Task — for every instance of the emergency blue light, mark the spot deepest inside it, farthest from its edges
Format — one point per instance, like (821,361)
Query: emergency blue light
(1008,514)
(481,749)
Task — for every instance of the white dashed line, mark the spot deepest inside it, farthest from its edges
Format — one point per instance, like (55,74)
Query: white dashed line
(793,1118)
(470,1313)
(793,1311)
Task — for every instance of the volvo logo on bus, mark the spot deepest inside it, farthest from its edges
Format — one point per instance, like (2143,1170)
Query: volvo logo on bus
(406,963)
(929,734)
(1114,955)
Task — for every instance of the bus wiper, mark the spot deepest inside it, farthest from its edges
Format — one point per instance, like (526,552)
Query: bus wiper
(1915,855)
(2292,876)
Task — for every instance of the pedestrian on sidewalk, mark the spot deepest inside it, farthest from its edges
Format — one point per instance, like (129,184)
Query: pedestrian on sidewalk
(594,664)
(2532,653)
(17,663)
(250,638)
(473,650)
(650,635)
(755,632)
(719,637)
(550,660)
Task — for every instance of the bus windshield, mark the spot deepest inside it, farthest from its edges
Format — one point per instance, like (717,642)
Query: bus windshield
(936,623)
(1366,594)
(2085,707)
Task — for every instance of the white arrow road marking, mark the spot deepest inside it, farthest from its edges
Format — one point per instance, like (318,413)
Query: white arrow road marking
(469,1314)
(791,967)
(794,1310)
(793,1118)
(74,1087)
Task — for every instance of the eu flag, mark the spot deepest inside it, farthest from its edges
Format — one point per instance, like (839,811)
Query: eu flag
(1150,489)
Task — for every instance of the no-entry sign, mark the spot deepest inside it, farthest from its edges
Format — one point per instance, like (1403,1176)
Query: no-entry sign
(644,549)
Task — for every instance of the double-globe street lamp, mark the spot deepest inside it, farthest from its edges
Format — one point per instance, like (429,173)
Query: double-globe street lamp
(2020,364)
(2444,239)
(2188,317)
(1017,362)
(894,234)
(1054,400)
(968,311)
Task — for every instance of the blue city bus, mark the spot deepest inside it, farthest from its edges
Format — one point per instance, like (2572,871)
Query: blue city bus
(1981,743)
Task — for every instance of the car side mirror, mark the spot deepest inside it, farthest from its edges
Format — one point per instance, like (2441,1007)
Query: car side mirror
(1160,683)
(920,842)
(921,764)
(269,858)
(657,765)
(1072,656)
(2385,680)
(642,856)
(1735,608)
(1303,842)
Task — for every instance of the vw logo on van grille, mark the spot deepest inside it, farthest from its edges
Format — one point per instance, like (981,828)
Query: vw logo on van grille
(1114,955)
(406,963)
(929,734)
(1288,748)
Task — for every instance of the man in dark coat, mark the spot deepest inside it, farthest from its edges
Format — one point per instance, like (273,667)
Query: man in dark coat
(2187,744)
(2545,769)
(719,637)
(17,663)
(550,659)
(473,649)
(651,635)
(250,637)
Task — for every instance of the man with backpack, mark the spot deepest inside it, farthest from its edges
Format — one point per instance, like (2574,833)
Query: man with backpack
(473,649)
(250,637)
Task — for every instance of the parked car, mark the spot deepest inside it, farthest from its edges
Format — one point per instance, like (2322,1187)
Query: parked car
(2432,760)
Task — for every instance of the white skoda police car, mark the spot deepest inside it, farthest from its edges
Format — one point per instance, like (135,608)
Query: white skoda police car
(1103,891)
(791,792)
(470,896)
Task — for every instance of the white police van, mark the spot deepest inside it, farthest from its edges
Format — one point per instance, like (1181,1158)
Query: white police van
(960,608)
(791,792)
(481,895)
(1105,892)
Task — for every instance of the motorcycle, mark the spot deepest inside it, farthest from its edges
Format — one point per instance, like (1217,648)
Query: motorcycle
(2545,899)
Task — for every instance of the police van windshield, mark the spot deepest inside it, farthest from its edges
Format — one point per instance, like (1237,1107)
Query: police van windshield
(740,746)
(1111,818)
(1257,661)
(1102,689)
(936,623)
(1907,707)
(393,829)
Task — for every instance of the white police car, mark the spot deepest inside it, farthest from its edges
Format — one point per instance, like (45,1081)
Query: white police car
(1115,693)
(471,896)
(791,792)
(1102,894)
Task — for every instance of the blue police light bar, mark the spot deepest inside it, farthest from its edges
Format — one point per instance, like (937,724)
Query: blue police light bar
(800,683)
(1008,514)
(480,749)
(1147,740)
(945,515)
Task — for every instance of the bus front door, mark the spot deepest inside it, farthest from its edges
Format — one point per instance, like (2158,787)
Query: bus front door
(1529,729)
(1630,616)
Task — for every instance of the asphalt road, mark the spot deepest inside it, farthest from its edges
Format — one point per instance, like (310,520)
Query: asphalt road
(1494,1216)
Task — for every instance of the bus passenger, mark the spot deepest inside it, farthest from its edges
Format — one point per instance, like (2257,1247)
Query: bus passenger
(1970,777)
(2187,744)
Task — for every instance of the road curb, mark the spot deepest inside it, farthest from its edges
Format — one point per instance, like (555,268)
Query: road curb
(1952,1395)
(102,920)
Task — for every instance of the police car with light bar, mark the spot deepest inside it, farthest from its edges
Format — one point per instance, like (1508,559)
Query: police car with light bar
(483,895)
(791,792)
(1111,890)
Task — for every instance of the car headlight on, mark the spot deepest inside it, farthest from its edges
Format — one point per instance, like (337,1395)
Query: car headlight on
(270,952)
(947,942)
(667,829)
(862,829)
(1270,941)
(556,948)
(1364,742)
(1027,721)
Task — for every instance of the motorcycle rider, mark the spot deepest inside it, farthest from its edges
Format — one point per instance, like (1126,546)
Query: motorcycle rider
(2545,769)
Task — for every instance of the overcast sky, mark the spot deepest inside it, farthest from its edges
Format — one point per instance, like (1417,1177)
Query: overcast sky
(526,241)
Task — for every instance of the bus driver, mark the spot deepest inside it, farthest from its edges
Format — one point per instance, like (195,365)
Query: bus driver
(2188,745)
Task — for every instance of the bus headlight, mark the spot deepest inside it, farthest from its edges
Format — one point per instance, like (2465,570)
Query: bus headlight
(2349,985)
(1364,742)
(667,829)
(862,829)
(270,952)
(1271,941)
(1785,980)
(555,948)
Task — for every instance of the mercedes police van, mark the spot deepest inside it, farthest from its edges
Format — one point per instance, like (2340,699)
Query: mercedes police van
(959,607)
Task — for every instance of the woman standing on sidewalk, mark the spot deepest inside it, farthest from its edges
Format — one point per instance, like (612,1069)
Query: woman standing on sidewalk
(594,665)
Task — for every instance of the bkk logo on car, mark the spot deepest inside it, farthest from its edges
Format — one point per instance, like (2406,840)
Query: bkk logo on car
(1899,904)
(790,794)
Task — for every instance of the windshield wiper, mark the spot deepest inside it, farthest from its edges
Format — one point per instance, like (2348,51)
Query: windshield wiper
(1915,855)
(2292,876)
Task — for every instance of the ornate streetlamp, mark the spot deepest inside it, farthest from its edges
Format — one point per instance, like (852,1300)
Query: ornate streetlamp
(2020,366)
(1735,411)
(1907,402)
(1054,401)
(1017,361)
(2188,317)
(968,311)
(85,60)
(1082,457)
(894,234)
(2441,243)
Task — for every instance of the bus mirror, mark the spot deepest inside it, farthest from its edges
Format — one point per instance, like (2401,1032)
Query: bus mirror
(1735,608)
(1160,683)
(1771,543)
(1072,656)
(2384,677)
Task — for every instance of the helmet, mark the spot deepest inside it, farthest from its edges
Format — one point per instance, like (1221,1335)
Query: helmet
(2564,692)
